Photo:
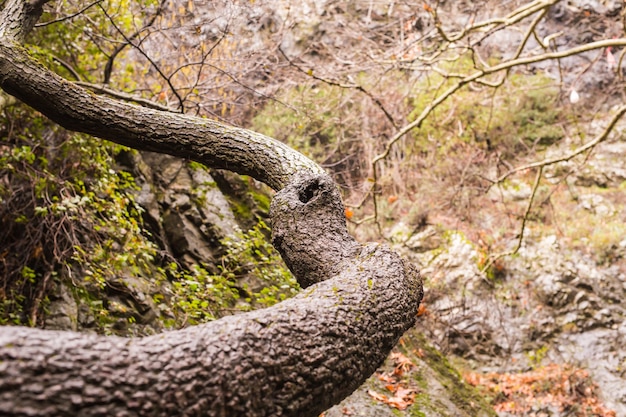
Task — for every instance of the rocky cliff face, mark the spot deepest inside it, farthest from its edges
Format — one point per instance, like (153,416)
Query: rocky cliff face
(188,217)
(559,300)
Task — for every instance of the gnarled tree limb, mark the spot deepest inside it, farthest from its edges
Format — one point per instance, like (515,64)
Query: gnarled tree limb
(294,359)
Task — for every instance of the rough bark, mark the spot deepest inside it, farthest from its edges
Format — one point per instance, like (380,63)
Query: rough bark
(294,359)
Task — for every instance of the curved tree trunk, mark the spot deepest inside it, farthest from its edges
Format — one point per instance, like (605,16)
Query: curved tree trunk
(294,359)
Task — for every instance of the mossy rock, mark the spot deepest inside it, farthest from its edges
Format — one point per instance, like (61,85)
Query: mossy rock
(438,388)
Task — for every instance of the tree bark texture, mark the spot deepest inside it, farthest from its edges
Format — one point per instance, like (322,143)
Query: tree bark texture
(297,358)
(294,359)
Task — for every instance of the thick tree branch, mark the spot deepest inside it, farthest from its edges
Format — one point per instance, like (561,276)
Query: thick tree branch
(294,359)
(18,18)
(206,141)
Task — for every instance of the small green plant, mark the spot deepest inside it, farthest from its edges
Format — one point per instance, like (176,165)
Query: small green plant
(535,357)
(252,275)
(65,207)
(68,210)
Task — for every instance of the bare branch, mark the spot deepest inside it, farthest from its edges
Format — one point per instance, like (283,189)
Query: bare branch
(108,68)
(492,70)
(522,230)
(68,67)
(358,87)
(101,89)
(586,147)
(500,22)
(68,17)
(129,41)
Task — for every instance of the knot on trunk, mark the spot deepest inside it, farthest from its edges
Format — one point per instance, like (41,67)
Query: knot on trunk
(309,228)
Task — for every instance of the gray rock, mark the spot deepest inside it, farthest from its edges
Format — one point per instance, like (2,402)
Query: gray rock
(62,312)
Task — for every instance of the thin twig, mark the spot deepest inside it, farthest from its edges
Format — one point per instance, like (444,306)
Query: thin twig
(358,87)
(520,240)
(101,89)
(487,71)
(108,68)
(68,67)
(150,60)
(589,145)
(73,15)
(512,18)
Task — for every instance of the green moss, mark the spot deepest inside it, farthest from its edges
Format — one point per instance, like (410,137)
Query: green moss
(415,412)
(262,200)
(249,200)
(464,396)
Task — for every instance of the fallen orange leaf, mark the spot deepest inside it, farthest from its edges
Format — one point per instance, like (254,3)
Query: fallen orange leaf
(385,378)
(403,363)
(401,400)
(378,397)
(405,392)
(398,403)
(421,310)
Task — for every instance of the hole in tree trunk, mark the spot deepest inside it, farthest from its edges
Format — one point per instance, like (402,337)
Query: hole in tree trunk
(309,192)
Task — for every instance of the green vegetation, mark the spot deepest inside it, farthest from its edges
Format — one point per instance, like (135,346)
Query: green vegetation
(252,275)
(62,203)
(535,357)
(74,51)
(69,217)
(518,117)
